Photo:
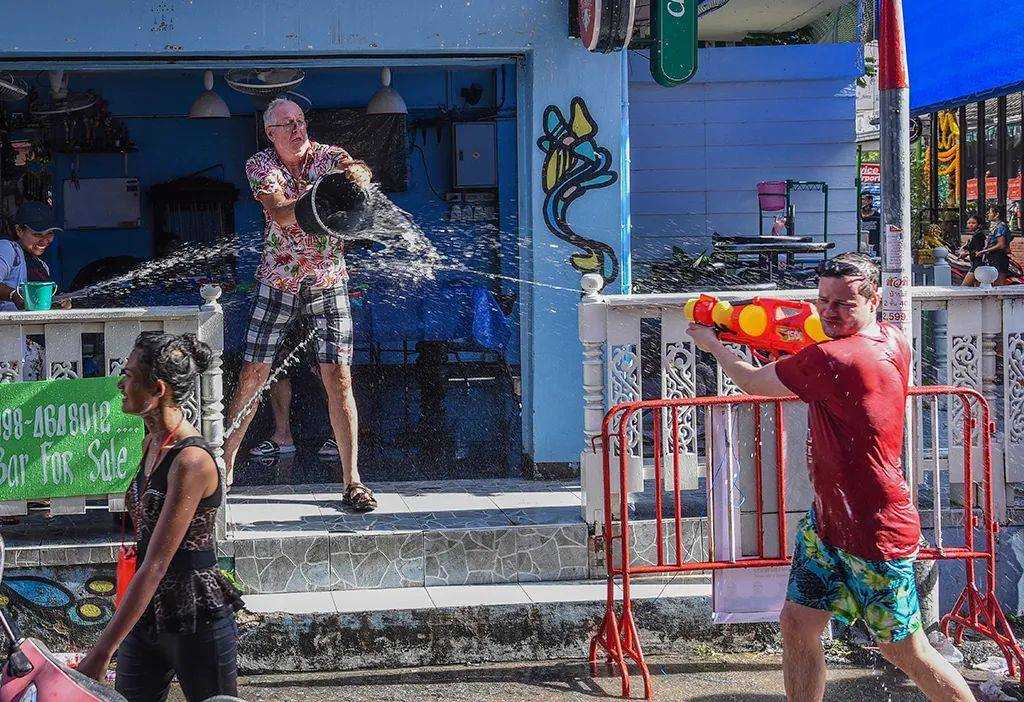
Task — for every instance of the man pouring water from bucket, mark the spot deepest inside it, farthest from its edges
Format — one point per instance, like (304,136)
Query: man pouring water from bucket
(303,274)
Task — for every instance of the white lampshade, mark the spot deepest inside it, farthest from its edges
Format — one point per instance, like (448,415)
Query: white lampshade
(386,101)
(208,104)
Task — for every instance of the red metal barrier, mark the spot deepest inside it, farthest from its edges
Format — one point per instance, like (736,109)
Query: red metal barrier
(618,637)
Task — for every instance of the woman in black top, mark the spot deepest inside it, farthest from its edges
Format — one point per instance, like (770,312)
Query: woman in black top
(972,249)
(177,616)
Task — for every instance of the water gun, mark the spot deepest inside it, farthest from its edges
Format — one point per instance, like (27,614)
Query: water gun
(769,326)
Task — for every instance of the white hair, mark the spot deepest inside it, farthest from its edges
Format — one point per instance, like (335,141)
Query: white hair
(277,102)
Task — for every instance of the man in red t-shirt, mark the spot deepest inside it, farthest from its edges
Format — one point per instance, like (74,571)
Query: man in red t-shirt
(855,549)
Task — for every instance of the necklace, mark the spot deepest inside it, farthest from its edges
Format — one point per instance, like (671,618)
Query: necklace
(149,465)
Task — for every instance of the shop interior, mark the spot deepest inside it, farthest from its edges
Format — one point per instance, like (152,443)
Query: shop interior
(147,164)
(967,159)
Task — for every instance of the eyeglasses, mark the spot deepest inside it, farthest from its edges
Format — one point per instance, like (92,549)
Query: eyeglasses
(294,125)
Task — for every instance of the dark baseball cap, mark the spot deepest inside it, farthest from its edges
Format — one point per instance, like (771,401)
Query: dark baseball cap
(37,216)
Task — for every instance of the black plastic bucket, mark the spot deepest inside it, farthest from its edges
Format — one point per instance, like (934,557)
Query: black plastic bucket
(335,206)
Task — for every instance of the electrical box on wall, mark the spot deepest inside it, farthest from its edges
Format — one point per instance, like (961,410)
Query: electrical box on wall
(102,203)
(476,155)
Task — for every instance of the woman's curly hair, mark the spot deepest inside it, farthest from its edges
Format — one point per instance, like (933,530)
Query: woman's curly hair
(176,359)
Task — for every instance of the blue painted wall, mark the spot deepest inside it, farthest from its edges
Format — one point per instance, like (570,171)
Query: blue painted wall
(751,114)
(551,70)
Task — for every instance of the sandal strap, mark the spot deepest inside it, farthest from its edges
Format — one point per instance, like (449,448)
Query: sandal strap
(358,491)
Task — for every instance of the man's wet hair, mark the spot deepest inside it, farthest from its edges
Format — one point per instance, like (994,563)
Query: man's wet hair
(268,113)
(853,265)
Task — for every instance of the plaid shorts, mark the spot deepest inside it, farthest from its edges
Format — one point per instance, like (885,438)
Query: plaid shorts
(882,593)
(325,312)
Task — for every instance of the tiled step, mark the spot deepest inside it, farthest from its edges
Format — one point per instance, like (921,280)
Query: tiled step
(456,533)
(422,534)
(342,629)
(303,539)
(321,562)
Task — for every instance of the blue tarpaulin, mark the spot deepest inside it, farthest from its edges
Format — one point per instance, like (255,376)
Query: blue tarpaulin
(961,51)
(466,314)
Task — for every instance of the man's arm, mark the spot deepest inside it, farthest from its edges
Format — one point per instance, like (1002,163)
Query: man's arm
(281,208)
(763,381)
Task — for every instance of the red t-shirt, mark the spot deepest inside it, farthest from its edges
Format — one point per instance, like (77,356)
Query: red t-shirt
(856,389)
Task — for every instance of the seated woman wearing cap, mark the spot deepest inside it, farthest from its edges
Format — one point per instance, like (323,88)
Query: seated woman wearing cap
(21,260)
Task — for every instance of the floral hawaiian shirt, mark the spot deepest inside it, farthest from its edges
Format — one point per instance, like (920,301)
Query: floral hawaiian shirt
(290,255)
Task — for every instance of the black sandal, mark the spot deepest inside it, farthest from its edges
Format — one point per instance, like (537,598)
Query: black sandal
(359,497)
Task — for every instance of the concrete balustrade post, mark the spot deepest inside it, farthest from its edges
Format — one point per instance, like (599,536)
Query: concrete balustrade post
(211,331)
(942,274)
(593,334)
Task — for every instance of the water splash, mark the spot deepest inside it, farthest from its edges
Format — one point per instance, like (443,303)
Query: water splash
(253,402)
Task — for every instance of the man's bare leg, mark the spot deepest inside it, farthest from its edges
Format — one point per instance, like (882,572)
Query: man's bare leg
(341,403)
(936,676)
(803,660)
(280,406)
(250,380)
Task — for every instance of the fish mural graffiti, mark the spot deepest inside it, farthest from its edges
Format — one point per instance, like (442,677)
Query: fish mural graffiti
(66,603)
(574,164)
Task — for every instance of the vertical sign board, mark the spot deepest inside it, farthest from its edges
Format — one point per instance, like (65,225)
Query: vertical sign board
(674,29)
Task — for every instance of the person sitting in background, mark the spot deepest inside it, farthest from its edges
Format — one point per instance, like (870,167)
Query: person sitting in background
(21,262)
(971,250)
(996,252)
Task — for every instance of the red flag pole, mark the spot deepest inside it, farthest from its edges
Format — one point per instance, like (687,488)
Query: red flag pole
(894,132)
(894,136)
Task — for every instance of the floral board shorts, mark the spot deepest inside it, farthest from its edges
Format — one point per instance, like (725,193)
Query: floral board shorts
(882,593)
(325,312)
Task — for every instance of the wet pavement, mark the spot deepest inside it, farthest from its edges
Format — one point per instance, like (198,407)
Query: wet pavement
(461,422)
(753,677)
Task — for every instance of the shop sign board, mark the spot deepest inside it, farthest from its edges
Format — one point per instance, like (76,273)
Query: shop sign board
(674,30)
(991,188)
(870,173)
(66,438)
(605,25)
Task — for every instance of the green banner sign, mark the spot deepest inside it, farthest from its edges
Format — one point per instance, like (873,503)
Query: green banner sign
(66,438)
(674,30)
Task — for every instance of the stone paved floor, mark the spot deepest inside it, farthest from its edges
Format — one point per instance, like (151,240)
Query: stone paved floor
(752,677)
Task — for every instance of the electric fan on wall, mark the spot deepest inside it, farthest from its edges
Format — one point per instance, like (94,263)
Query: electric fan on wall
(60,101)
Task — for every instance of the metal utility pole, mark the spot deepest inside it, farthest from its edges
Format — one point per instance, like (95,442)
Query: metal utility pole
(894,133)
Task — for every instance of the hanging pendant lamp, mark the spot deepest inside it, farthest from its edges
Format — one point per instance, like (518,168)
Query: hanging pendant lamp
(209,104)
(386,101)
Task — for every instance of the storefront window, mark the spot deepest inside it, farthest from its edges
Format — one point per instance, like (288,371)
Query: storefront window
(991,152)
(970,158)
(1014,160)
(949,161)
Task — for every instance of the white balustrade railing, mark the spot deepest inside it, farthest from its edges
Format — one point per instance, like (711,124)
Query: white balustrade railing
(63,358)
(970,337)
